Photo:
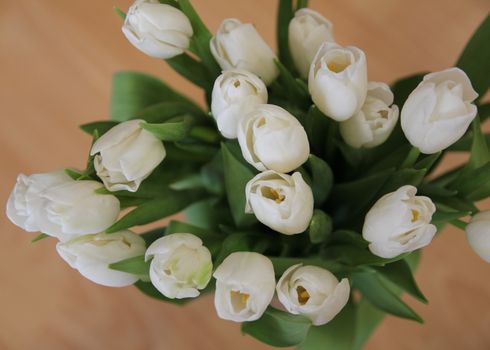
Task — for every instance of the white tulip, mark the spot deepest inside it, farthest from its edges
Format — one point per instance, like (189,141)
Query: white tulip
(271,138)
(235,93)
(92,254)
(399,222)
(239,45)
(180,265)
(438,112)
(126,155)
(245,286)
(374,122)
(313,292)
(282,202)
(478,234)
(308,30)
(74,208)
(26,207)
(158,30)
(338,80)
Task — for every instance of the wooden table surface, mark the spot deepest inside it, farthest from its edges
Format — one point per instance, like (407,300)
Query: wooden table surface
(56,61)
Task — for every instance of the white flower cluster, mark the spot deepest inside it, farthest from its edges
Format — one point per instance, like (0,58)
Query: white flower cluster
(272,140)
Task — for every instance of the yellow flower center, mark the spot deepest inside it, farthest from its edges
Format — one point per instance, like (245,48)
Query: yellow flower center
(415,215)
(303,295)
(239,296)
(273,194)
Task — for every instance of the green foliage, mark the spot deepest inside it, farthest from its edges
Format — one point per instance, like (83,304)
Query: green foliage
(320,227)
(136,266)
(278,328)
(475,57)
(175,129)
(322,178)
(284,15)
(132,92)
(237,174)
(150,291)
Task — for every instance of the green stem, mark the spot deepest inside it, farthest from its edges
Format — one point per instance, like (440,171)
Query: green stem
(205,134)
(459,224)
(412,157)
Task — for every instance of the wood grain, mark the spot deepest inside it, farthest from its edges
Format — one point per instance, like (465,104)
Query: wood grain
(56,62)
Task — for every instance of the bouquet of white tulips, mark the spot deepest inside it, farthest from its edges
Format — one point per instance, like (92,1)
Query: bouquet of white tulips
(306,187)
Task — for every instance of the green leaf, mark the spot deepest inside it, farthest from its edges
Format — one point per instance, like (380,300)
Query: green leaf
(301,4)
(155,209)
(102,127)
(322,178)
(148,289)
(235,242)
(475,57)
(135,265)
(163,111)
(278,328)
(464,143)
(442,216)
(200,39)
(400,274)
(237,175)
(367,319)
(192,70)
(320,227)
(284,16)
(387,159)
(152,235)
(480,154)
(120,12)
(357,255)
(338,334)
(377,293)
(182,227)
(39,237)
(484,112)
(133,92)
(320,130)
(472,180)
(75,175)
(401,178)
(295,90)
(349,237)
(428,161)
(172,130)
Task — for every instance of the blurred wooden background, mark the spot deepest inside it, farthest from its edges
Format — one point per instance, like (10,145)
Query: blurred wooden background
(56,62)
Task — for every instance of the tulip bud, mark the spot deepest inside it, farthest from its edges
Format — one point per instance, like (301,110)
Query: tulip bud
(239,45)
(235,93)
(313,292)
(374,122)
(92,254)
(478,234)
(26,207)
(338,80)
(271,138)
(282,202)
(180,265)
(438,112)
(399,222)
(74,208)
(308,30)
(126,155)
(245,285)
(158,30)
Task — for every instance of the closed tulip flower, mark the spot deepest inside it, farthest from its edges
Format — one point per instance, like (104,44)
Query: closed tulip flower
(235,93)
(180,265)
(158,30)
(308,30)
(282,202)
(374,122)
(245,286)
(338,80)
(26,207)
(438,112)
(313,292)
(74,208)
(271,138)
(92,254)
(478,234)
(126,155)
(399,222)
(239,45)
